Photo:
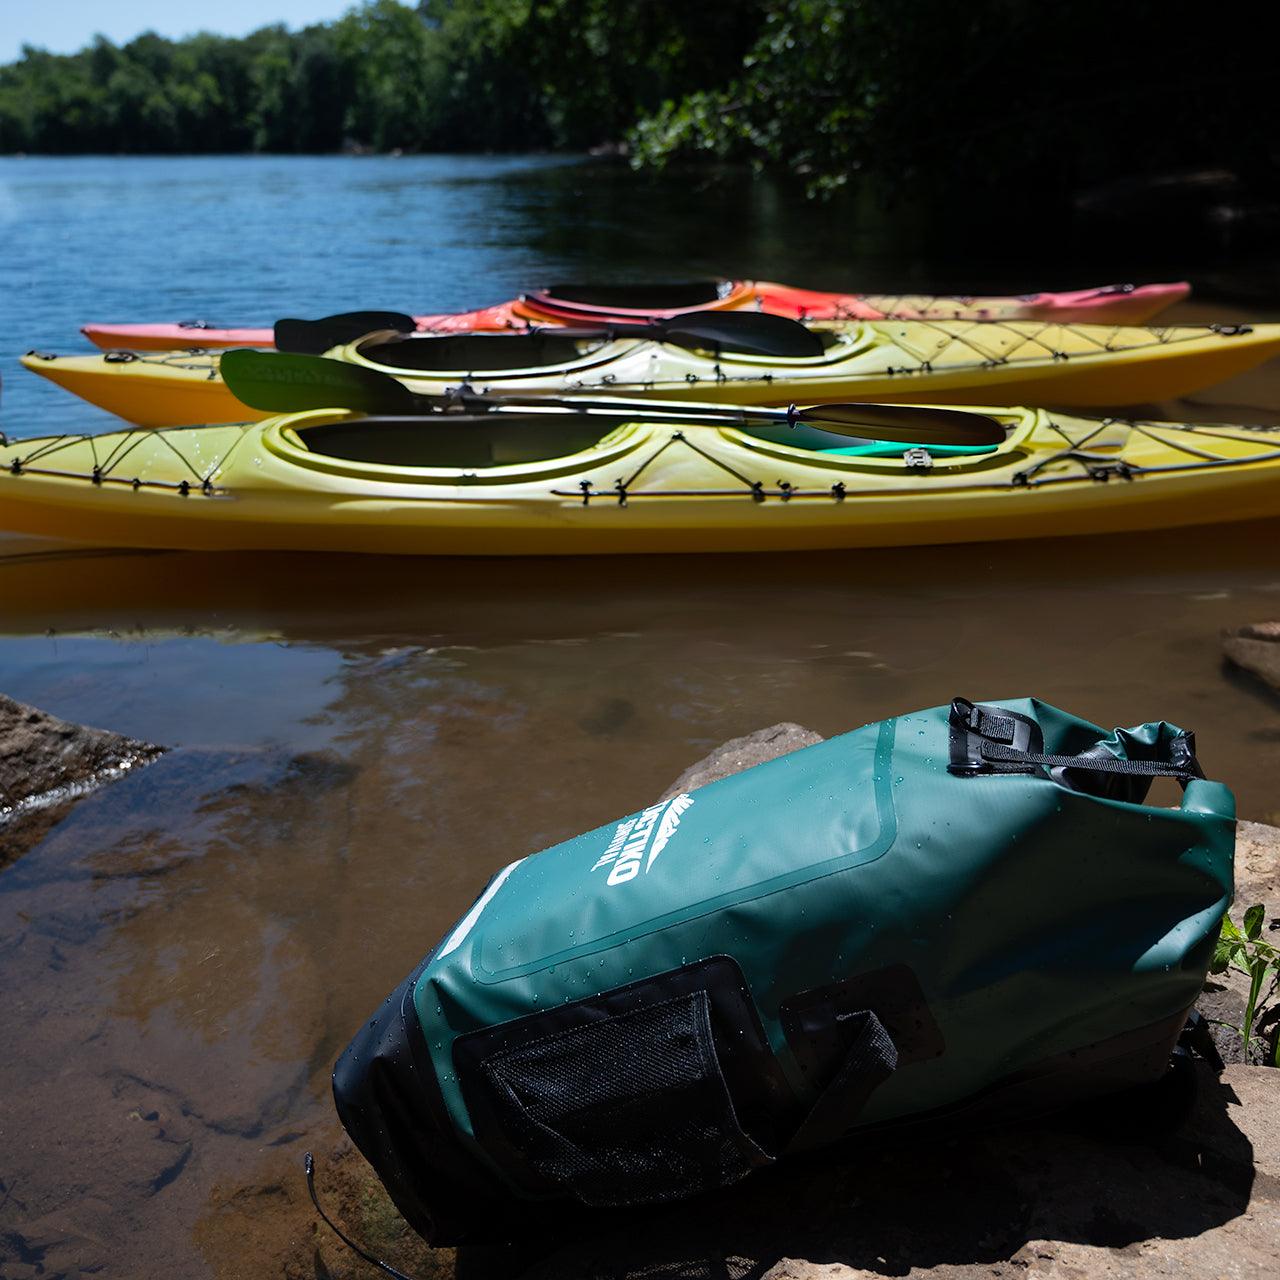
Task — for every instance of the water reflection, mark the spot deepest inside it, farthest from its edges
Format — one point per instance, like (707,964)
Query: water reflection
(362,741)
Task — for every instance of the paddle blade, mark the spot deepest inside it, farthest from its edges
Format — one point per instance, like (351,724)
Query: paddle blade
(752,333)
(283,382)
(315,337)
(907,423)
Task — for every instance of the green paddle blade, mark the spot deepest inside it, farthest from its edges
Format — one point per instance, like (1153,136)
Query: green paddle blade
(282,382)
(906,423)
(315,337)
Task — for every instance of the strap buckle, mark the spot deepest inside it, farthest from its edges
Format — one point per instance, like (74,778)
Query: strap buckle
(972,726)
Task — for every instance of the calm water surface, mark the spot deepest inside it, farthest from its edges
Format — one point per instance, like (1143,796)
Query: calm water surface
(359,743)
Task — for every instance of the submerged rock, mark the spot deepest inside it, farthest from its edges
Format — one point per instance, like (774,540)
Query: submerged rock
(743,753)
(1255,649)
(46,764)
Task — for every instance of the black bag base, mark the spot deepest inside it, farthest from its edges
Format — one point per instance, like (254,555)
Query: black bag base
(1074,1086)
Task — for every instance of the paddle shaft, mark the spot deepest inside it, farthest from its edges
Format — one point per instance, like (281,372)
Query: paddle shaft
(282,382)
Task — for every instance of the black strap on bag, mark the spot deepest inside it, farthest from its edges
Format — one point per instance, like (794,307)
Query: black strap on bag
(986,741)
(871,1059)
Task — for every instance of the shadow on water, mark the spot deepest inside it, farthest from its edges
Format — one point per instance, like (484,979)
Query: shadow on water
(657,656)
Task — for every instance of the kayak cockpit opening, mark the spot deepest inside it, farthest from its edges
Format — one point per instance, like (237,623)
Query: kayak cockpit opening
(456,440)
(678,296)
(477,352)
(815,440)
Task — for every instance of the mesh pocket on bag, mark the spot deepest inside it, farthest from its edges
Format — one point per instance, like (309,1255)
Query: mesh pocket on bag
(627,1109)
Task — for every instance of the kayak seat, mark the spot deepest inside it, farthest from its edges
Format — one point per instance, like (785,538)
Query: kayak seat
(803,436)
(895,449)
(477,352)
(458,440)
(635,297)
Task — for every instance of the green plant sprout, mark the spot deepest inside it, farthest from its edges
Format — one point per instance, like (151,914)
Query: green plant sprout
(1248,953)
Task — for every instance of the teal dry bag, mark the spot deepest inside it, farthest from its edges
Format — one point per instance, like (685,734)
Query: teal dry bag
(967,906)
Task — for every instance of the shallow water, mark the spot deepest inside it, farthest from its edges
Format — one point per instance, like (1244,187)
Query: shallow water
(360,743)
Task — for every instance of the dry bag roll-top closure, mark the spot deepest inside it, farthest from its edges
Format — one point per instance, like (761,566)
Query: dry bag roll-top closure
(813,1009)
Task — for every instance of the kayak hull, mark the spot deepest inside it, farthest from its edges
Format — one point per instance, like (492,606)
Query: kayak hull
(693,489)
(888,362)
(204,337)
(1110,304)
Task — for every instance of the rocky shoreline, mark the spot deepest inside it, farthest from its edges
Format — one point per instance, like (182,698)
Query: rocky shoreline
(1059,1199)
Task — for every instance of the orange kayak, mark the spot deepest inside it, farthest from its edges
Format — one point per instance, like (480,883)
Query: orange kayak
(604,304)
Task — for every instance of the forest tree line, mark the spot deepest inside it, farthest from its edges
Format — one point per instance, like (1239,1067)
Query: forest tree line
(932,98)
(451,75)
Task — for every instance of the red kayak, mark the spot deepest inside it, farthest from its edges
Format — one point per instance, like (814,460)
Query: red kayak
(618,304)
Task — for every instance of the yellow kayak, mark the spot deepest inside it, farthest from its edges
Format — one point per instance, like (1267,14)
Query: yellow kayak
(953,362)
(543,481)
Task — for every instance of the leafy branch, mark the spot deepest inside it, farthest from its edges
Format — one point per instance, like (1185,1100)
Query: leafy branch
(1245,951)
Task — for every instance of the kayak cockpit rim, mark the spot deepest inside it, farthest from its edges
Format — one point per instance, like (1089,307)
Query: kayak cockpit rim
(635,301)
(451,449)
(642,299)
(460,358)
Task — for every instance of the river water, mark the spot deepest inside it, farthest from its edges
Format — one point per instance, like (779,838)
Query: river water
(359,743)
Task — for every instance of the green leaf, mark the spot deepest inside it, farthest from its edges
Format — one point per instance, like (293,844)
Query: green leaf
(1223,952)
(1253,920)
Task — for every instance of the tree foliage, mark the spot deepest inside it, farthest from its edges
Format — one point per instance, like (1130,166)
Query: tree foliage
(939,98)
(449,75)
(994,99)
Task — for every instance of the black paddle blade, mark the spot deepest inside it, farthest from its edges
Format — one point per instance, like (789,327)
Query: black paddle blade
(749,333)
(906,423)
(285,382)
(315,337)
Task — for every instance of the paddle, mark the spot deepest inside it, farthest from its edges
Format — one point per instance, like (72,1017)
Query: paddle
(315,337)
(284,382)
(753,333)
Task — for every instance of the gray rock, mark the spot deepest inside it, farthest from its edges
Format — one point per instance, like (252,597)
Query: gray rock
(743,753)
(1255,649)
(1258,864)
(47,763)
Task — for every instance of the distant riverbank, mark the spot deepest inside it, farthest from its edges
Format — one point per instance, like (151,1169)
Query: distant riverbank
(952,106)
